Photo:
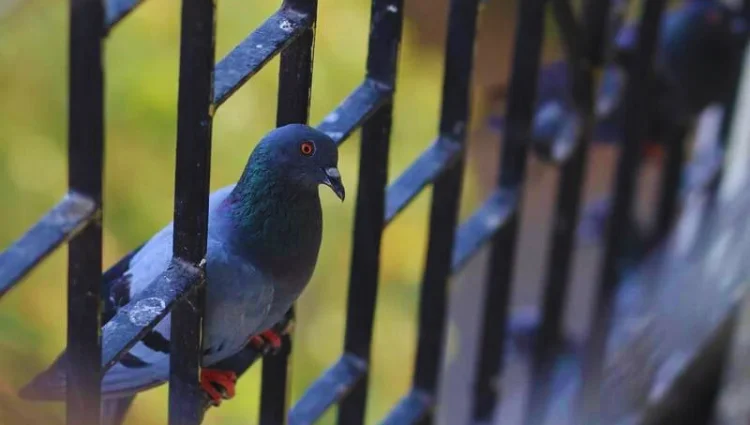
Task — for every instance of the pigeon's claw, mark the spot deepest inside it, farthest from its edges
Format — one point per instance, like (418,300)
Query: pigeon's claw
(218,384)
(268,341)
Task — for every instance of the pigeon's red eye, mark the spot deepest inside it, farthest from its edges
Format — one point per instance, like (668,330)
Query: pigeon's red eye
(307,148)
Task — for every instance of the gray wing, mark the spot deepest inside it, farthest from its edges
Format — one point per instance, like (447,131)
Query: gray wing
(245,296)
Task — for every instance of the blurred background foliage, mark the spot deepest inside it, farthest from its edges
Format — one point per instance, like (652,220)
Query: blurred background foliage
(141,96)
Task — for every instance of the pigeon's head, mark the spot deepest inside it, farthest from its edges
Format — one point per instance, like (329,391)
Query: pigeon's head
(709,23)
(301,154)
(702,45)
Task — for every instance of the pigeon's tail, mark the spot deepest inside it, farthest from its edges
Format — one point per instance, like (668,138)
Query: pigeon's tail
(118,382)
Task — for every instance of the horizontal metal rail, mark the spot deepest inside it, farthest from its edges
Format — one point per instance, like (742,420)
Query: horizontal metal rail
(116,10)
(58,226)
(255,51)
(334,384)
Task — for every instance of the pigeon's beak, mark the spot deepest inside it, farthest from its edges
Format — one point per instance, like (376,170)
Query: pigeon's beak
(333,180)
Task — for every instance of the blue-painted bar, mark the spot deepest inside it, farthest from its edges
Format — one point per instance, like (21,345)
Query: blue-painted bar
(357,108)
(255,51)
(117,10)
(333,385)
(412,409)
(432,163)
(60,224)
(145,310)
(481,227)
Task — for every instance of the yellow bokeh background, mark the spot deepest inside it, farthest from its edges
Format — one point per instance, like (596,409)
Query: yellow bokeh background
(141,96)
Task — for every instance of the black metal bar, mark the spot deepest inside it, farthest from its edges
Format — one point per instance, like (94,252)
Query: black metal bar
(671,177)
(117,10)
(446,195)
(357,108)
(275,376)
(332,386)
(368,231)
(192,186)
(337,382)
(85,174)
(245,60)
(569,27)
(634,132)
(295,81)
(569,191)
(63,222)
(385,38)
(523,88)
(596,19)
(274,391)
(436,160)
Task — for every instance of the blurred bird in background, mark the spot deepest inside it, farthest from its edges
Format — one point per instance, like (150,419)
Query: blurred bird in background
(700,51)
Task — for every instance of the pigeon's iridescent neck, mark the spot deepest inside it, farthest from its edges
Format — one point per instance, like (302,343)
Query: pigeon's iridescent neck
(281,228)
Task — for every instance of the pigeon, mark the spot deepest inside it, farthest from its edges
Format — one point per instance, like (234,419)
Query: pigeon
(700,48)
(700,51)
(264,235)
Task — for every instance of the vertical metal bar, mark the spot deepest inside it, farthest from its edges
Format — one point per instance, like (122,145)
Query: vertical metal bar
(634,132)
(671,175)
(596,18)
(385,38)
(522,89)
(195,113)
(583,60)
(459,55)
(295,80)
(274,390)
(85,156)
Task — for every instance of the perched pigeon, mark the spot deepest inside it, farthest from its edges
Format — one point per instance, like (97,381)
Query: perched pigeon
(700,48)
(700,52)
(264,234)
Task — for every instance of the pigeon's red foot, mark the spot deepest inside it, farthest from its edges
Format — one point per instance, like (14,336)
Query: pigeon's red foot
(268,340)
(218,384)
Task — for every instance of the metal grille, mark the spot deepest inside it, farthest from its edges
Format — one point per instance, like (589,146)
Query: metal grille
(205,86)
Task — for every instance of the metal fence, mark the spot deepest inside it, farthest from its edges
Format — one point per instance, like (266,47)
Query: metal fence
(204,86)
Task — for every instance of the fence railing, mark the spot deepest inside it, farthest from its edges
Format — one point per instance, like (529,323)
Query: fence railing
(205,85)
